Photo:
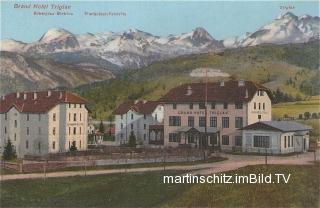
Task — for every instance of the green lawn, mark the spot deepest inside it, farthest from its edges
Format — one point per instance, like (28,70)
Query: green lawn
(147,190)
(293,109)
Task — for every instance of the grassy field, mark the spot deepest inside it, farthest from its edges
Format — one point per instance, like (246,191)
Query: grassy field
(147,190)
(293,109)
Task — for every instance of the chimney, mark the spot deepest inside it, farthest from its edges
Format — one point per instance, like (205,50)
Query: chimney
(136,101)
(241,83)
(25,96)
(18,94)
(247,94)
(189,90)
(49,93)
(222,84)
(60,95)
(34,95)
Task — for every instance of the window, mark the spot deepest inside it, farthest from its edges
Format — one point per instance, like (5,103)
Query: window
(69,130)
(15,123)
(54,131)
(28,117)
(259,117)
(144,116)
(288,141)
(74,117)
(5,129)
(131,116)
(53,145)
(213,139)
(74,105)
(144,126)
(131,126)
(121,116)
(80,117)
(121,125)
(27,144)
(259,106)
(292,140)
(54,117)
(202,106)
(213,105)
(173,137)
(39,117)
(225,122)
(5,116)
(121,136)
(191,106)
(238,140)
(74,130)
(27,130)
(156,116)
(238,122)
(15,137)
(255,105)
(261,93)
(213,121)
(191,138)
(225,140)
(174,121)
(69,105)
(144,137)
(69,116)
(190,121)
(263,106)
(225,105)
(174,106)
(238,105)
(261,141)
(202,121)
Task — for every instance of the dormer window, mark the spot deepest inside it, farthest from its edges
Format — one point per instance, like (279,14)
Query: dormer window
(191,106)
(225,105)
(222,84)
(174,106)
(202,106)
(213,105)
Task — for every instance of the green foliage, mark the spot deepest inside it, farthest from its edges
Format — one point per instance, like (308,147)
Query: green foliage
(101,127)
(132,140)
(9,152)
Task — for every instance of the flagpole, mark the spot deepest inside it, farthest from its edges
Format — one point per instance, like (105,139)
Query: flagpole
(206,102)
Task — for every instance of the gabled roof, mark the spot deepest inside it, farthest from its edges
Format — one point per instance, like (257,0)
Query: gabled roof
(231,91)
(141,107)
(37,102)
(283,126)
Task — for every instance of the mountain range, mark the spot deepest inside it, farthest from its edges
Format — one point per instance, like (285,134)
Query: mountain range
(110,53)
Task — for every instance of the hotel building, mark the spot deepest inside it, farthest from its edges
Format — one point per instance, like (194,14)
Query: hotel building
(218,110)
(143,118)
(43,122)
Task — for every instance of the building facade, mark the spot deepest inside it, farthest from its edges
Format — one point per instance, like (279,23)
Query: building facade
(43,122)
(218,110)
(276,137)
(137,117)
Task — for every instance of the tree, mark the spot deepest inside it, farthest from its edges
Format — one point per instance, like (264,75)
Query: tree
(9,152)
(132,140)
(73,147)
(306,115)
(101,127)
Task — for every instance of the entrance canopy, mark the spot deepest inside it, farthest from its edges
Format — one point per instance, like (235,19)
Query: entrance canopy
(188,129)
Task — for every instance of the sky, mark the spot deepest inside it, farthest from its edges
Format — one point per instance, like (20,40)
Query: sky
(221,19)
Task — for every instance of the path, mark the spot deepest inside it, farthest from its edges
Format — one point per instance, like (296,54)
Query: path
(234,162)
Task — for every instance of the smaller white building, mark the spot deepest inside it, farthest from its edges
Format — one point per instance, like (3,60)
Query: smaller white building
(137,116)
(275,137)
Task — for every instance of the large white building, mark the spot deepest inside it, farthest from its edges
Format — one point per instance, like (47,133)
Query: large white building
(139,117)
(43,122)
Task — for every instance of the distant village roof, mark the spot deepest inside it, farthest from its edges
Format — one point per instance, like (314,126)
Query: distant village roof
(283,126)
(228,91)
(141,106)
(37,102)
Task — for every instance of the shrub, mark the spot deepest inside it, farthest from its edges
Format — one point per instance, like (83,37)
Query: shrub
(9,152)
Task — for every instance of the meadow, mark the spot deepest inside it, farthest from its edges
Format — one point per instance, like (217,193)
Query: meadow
(148,190)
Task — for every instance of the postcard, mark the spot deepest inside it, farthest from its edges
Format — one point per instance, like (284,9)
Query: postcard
(159,103)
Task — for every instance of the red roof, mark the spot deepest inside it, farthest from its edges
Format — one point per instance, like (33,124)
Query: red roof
(231,91)
(37,102)
(142,107)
